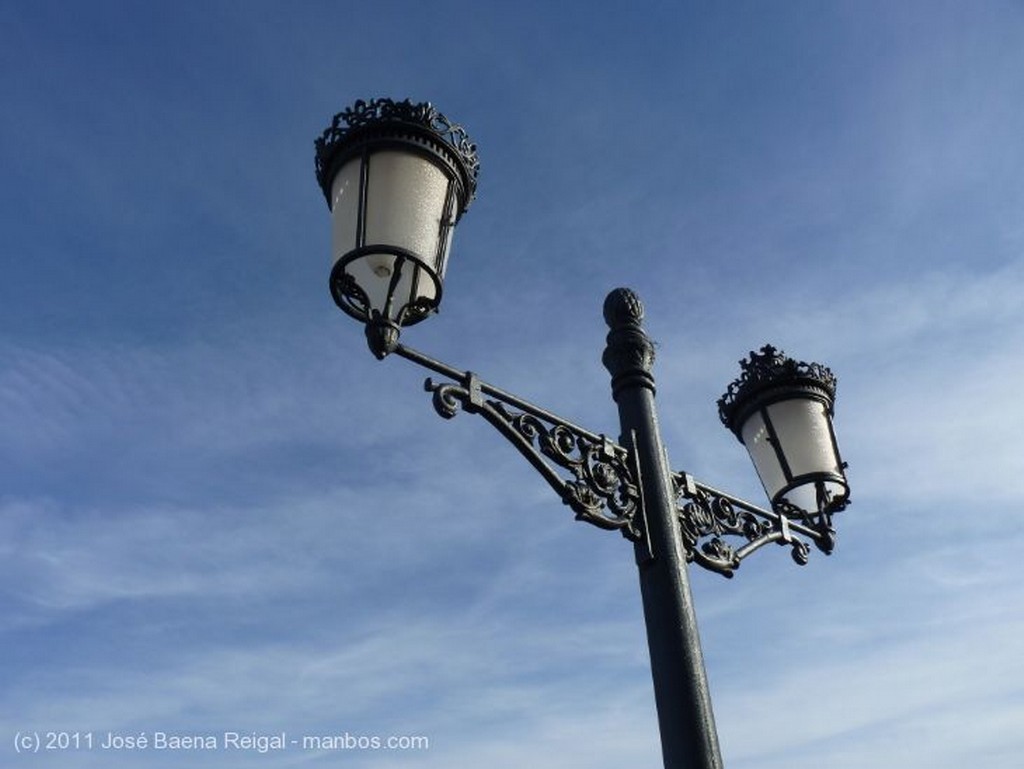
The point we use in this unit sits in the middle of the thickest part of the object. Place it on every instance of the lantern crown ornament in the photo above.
(397, 177)
(781, 410)
(422, 121)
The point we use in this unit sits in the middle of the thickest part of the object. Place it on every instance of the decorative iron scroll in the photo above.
(707, 515)
(602, 488)
(345, 287)
(819, 521)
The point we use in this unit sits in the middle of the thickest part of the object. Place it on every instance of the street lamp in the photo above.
(781, 410)
(397, 177)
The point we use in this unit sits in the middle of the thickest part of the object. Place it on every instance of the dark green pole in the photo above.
(687, 724)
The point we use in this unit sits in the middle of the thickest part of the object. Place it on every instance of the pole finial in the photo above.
(629, 354)
(622, 307)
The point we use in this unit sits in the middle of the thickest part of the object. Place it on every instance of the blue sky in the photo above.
(219, 512)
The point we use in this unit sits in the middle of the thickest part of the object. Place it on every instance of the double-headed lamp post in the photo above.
(397, 177)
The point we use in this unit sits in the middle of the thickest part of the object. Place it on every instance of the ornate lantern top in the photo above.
(781, 410)
(769, 369)
(420, 122)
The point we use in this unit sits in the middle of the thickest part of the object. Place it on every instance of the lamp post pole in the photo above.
(688, 736)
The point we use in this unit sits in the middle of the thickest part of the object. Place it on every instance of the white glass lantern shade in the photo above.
(397, 177)
(393, 214)
(781, 410)
(792, 446)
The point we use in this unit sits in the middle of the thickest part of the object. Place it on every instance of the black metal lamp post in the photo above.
(397, 177)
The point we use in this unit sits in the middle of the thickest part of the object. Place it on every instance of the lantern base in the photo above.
(362, 299)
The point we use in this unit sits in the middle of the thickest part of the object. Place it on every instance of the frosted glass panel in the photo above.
(802, 428)
(805, 497)
(367, 279)
(762, 452)
(405, 203)
(344, 209)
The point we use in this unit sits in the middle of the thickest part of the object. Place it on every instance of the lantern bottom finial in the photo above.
(382, 335)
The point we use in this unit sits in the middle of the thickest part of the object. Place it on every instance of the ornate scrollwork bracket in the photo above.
(706, 515)
(590, 473)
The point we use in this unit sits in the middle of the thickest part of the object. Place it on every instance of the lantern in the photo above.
(781, 411)
(397, 177)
